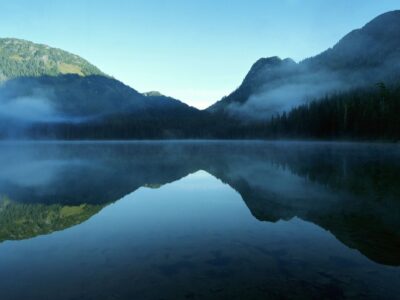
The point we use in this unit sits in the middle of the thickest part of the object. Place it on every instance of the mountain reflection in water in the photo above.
(304, 189)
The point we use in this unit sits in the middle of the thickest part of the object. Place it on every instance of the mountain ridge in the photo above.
(363, 57)
(79, 101)
(45, 85)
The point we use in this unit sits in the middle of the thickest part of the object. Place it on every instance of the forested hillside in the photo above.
(360, 60)
(371, 114)
(350, 91)
(23, 58)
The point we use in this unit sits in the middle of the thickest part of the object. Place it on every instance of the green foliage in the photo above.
(19, 58)
(21, 221)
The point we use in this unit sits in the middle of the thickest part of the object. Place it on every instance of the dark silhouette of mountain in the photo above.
(350, 190)
(88, 96)
(361, 59)
(99, 107)
(158, 101)
(376, 45)
(94, 106)
(74, 95)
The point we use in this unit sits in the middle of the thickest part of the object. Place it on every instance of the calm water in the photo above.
(199, 220)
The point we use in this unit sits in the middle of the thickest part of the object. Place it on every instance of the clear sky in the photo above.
(194, 50)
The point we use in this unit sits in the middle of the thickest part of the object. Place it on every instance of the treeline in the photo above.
(358, 114)
(132, 126)
(363, 114)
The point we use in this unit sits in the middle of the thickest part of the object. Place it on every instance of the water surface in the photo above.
(199, 220)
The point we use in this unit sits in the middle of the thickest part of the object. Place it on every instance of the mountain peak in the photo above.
(360, 59)
(270, 62)
(269, 67)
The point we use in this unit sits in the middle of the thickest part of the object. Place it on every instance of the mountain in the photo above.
(72, 96)
(56, 94)
(157, 100)
(94, 106)
(68, 83)
(339, 187)
(272, 71)
(349, 91)
(375, 45)
(362, 58)
(23, 58)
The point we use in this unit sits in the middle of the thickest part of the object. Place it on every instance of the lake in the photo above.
(199, 220)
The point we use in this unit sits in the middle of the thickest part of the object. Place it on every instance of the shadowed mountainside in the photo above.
(361, 59)
(93, 107)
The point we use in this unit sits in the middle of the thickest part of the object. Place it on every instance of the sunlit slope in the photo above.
(20, 58)
(22, 221)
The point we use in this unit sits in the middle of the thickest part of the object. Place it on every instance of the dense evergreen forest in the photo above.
(23, 58)
(133, 126)
(359, 114)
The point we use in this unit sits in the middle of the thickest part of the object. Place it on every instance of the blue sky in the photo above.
(197, 51)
